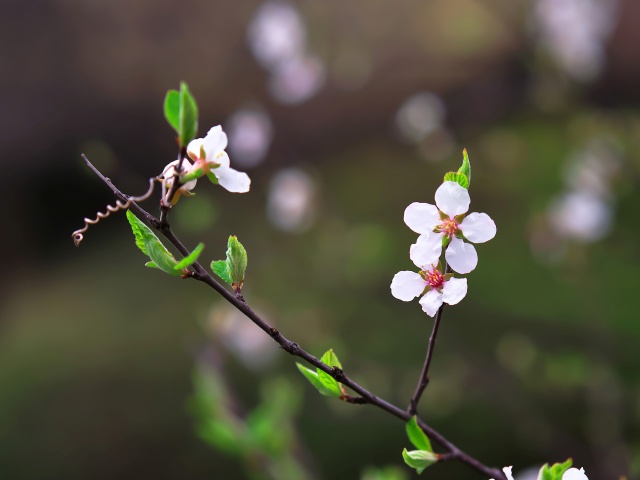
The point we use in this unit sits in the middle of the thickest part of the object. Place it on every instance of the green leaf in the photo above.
(315, 381)
(190, 259)
(555, 472)
(331, 359)
(327, 380)
(188, 117)
(460, 178)
(151, 265)
(151, 246)
(419, 459)
(172, 109)
(236, 262)
(219, 267)
(331, 384)
(417, 436)
(465, 169)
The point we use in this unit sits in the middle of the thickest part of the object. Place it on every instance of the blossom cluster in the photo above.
(447, 226)
(570, 474)
(209, 158)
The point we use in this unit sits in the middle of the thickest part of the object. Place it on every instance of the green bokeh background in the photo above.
(537, 364)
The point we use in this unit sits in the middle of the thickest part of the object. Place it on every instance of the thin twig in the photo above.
(166, 207)
(423, 381)
(453, 452)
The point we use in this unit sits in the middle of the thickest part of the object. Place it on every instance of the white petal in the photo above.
(222, 161)
(507, 472)
(574, 474)
(452, 199)
(421, 217)
(431, 302)
(406, 286)
(193, 149)
(426, 250)
(454, 290)
(215, 142)
(478, 227)
(461, 256)
(232, 180)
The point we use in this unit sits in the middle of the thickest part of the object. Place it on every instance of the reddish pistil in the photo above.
(434, 278)
(449, 227)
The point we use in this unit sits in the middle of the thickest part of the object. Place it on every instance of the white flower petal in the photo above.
(574, 474)
(461, 256)
(215, 142)
(507, 472)
(222, 161)
(452, 199)
(431, 302)
(478, 227)
(454, 290)
(406, 285)
(193, 149)
(421, 217)
(426, 250)
(232, 180)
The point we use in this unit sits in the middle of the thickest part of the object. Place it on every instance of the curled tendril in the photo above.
(120, 205)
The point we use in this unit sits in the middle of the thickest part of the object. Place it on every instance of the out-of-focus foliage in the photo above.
(344, 127)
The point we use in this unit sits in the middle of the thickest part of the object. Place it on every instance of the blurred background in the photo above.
(342, 113)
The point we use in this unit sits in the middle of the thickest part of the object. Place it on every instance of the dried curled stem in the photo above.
(120, 205)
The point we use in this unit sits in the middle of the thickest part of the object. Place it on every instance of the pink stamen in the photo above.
(449, 227)
(434, 278)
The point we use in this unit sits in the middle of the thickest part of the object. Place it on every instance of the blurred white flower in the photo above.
(420, 115)
(581, 215)
(297, 79)
(210, 159)
(436, 287)
(292, 200)
(447, 219)
(574, 32)
(276, 34)
(250, 134)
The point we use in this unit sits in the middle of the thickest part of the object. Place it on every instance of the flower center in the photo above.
(434, 278)
(449, 227)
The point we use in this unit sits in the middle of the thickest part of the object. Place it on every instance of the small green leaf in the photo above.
(327, 380)
(211, 176)
(331, 359)
(460, 178)
(219, 267)
(417, 436)
(188, 115)
(190, 259)
(331, 384)
(151, 246)
(465, 169)
(315, 381)
(555, 472)
(419, 459)
(172, 109)
(236, 262)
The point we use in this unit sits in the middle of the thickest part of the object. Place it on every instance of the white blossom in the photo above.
(167, 177)
(571, 474)
(448, 219)
(434, 286)
(210, 158)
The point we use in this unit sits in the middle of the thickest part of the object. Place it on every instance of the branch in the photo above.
(365, 396)
(424, 376)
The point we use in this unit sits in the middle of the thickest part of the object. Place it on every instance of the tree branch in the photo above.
(365, 396)
(423, 381)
